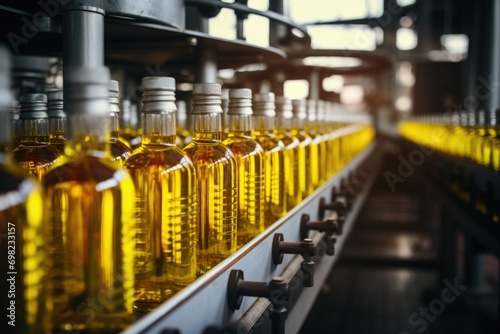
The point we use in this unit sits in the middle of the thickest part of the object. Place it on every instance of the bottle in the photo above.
(298, 125)
(217, 188)
(119, 150)
(90, 202)
(250, 159)
(165, 182)
(23, 237)
(481, 137)
(264, 114)
(35, 155)
(128, 125)
(492, 147)
(284, 116)
(183, 134)
(57, 119)
(325, 162)
(225, 108)
(316, 148)
(16, 126)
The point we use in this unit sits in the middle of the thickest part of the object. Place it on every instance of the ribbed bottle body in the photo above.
(165, 215)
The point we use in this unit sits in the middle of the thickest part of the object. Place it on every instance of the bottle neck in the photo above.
(207, 127)
(114, 118)
(158, 127)
(298, 123)
(240, 125)
(264, 125)
(34, 130)
(283, 124)
(57, 126)
(89, 132)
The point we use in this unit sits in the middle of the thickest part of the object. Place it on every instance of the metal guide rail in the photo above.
(218, 298)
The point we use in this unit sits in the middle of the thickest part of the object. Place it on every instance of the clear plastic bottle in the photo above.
(216, 170)
(35, 155)
(90, 201)
(316, 147)
(23, 235)
(165, 181)
(183, 134)
(250, 158)
(264, 116)
(298, 131)
(57, 119)
(120, 149)
(128, 125)
(283, 132)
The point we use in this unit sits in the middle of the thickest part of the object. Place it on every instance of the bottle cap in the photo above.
(33, 106)
(55, 104)
(284, 107)
(114, 101)
(206, 99)
(264, 105)
(240, 102)
(158, 94)
(86, 90)
(299, 108)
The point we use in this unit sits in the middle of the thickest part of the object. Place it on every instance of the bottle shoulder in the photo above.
(86, 167)
(209, 151)
(244, 146)
(166, 156)
(42, 153)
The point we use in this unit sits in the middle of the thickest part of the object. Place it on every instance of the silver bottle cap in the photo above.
(86, 90)
(158, 94)
(206, 99)
(299, 108)
(114, 101)
(311, 108)
(284, 107)
(240, 102)
(33, 106)
(55, 104)
(264, 105)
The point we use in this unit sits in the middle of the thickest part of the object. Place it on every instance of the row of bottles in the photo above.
(473, 136)
(120, 226)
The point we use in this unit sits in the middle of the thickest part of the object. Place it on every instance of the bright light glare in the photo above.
(296, 89)
(403, 3)
(405, 74)
(327, 10)
(352, 37)
(226, 73)
(403, 103)
(222, 25)
(457, 43)
(257, 30)
(406, 39)
(334, 83)
(332, 61)
(352, 94)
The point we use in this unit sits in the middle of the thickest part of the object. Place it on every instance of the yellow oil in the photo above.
(217, 192)
(250, 158)
(274, 168)
(23, 235)
(120, 148)
(57, 135)
(304, 162)
(35, 155)
(495, 152)
(165, 215)
(90, 202)
(316, 160)
(183, 138)
(291, 168)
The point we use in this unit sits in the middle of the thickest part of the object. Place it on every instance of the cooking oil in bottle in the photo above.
(481, 137)
(284, 116)
(165, 212)
(90, 202)
(250, 158)
(264, 113)
(321, 132)
(216, 171)
(225, 108)
(120, 149)
(57, 119)
(298, 131)
(128, 125)
(183, 134)
(494, 147)
(23, 237)
(35, 155)
(316, 147)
